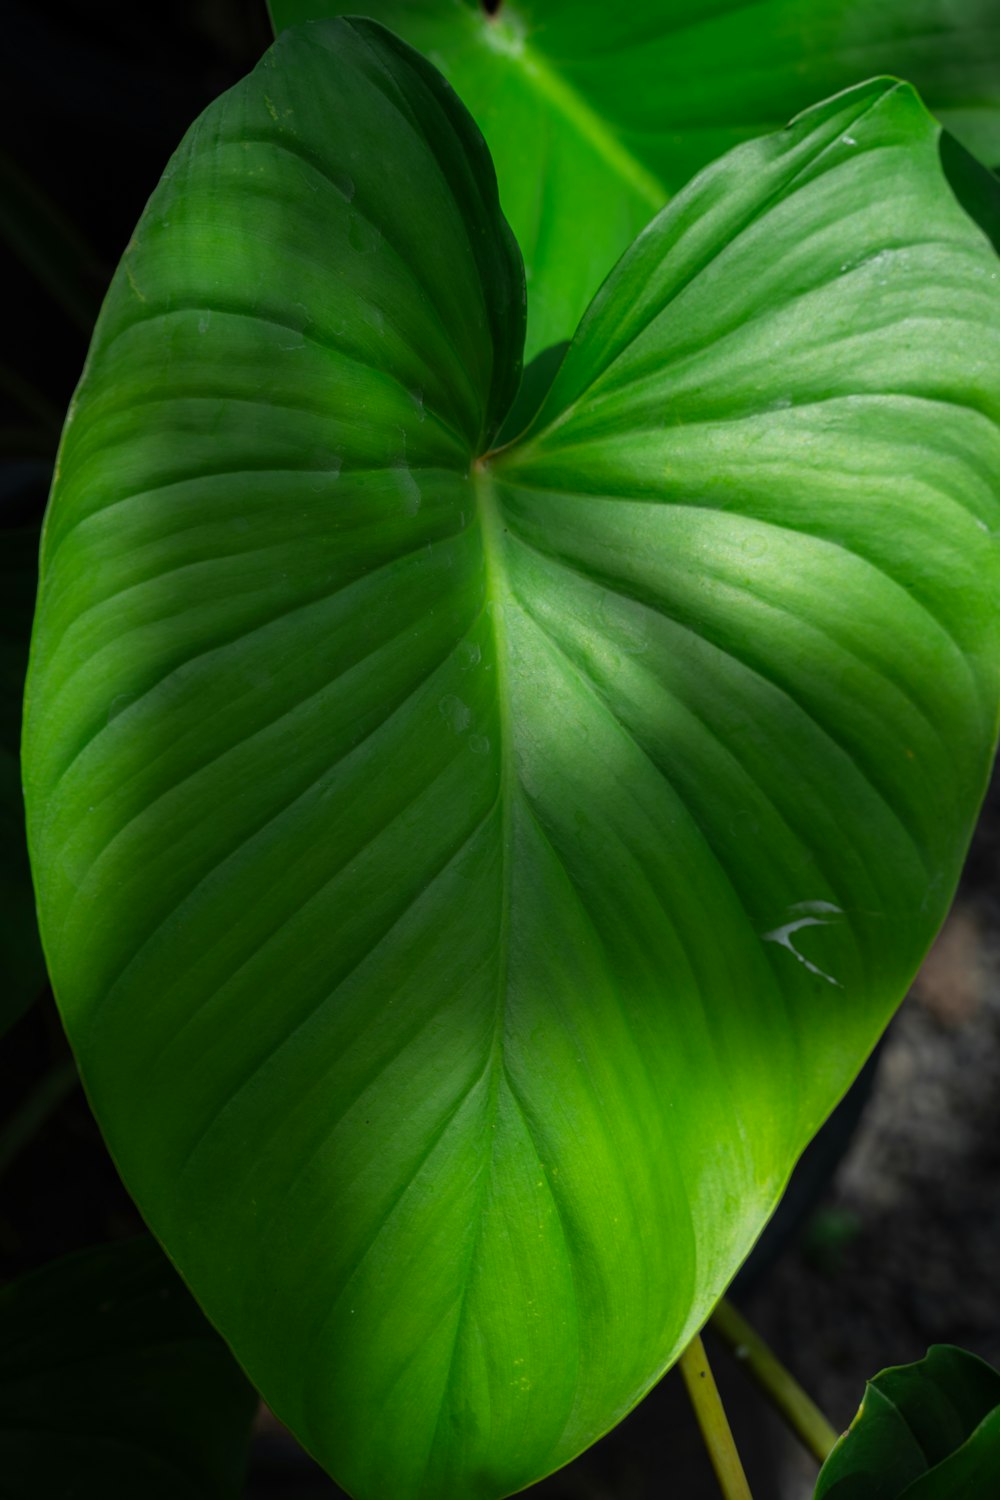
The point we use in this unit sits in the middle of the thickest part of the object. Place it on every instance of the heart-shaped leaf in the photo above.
(595, 113)
(926, 1431)
(112, 1383)
(469, 877)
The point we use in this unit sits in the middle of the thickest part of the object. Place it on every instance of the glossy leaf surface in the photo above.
(596, 113)
(926, 1431)
(469, 877)
(112, 1383)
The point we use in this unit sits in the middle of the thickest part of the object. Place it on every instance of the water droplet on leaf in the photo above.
(456, 714)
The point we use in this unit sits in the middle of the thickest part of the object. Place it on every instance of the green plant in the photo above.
(926, 1431)
(449, 846)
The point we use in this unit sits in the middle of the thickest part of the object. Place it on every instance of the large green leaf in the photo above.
(926, 1431)
(595, 113)
(113, 1384)
(470, 877)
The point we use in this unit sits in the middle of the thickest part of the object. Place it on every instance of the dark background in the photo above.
(891, 1239)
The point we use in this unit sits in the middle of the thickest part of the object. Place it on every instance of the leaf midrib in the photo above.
(497, 600)
(497, 597)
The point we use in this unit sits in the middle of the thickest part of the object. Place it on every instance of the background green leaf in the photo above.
(112, 1383)
(926, 1431)
(596, 113)
(468, 881)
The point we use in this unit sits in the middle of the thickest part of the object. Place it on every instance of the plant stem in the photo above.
(43, 1101)
(713, 1422)
(799, 1411)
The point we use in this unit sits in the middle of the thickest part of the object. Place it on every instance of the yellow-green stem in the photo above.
(713, 1422)
(802, 1414)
